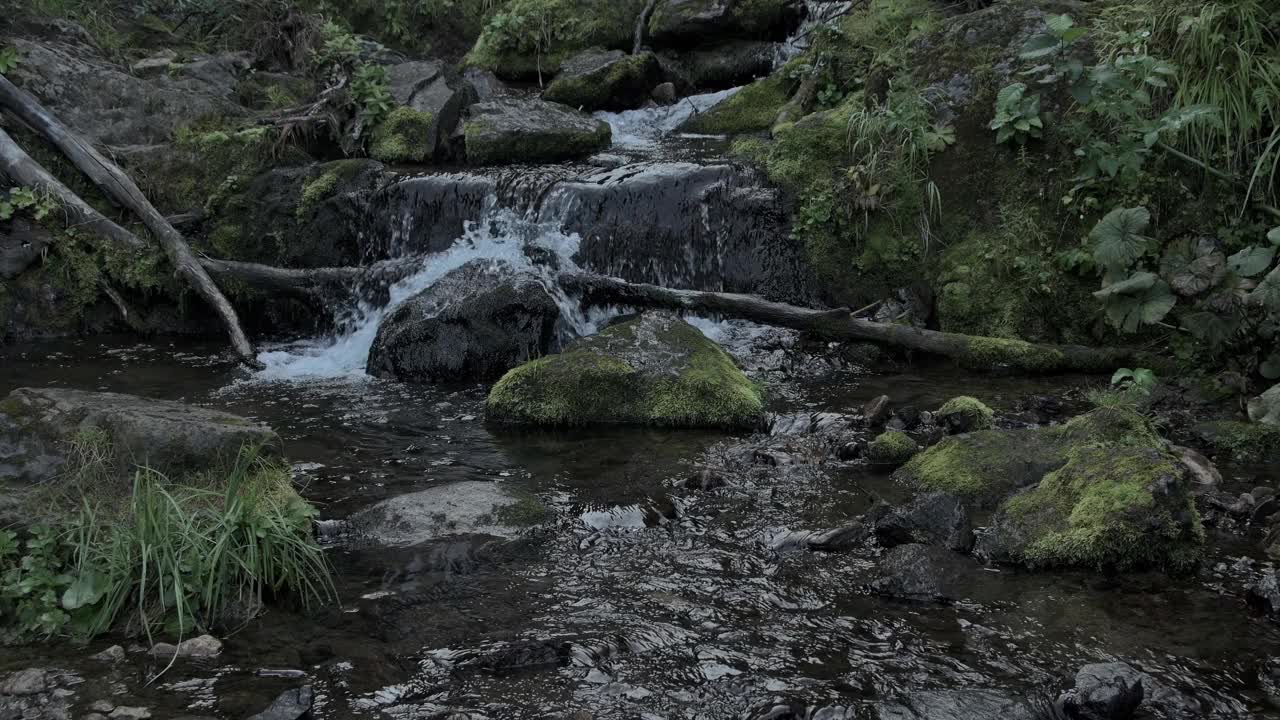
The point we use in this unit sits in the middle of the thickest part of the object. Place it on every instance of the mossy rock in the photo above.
(892, 448)
(752, 109)
(599, 79)
(508, 130)
(692, 22)
(402, 137)
(655, 370)
(532, 39)
(966, 414)
(1114, 507)
(1243, 441)
(984, 467)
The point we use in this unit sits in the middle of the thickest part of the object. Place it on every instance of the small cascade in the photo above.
(816, 14)
(643, 129)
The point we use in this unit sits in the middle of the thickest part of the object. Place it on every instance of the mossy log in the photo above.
(974, 352)
(117, 185)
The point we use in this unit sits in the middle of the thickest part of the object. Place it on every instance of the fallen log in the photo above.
(978, 353)
(317, 285)
(117, 185)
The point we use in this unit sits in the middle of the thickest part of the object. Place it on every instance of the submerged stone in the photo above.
(508, 130)
(477, 322)
(921, 573)
(654, 370)
(1106, 691)
(461, 508)
(599, 79)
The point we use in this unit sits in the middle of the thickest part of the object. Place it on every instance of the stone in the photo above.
(102, 706)
(1105, 691)
(976, 704)
(130, 713)
(475, 323)
(688, 23)
(289, 705)
(1265, 408)
(932, 519)
(115, 653)
(599, 79)
(487, 86)
(423, 86)
(1264, 594)
(920, 573)
(965, 414)
(892, 449)
(204, 646)
(165, 435)
(461, 508)
(664, 93)
(653, 370)
(723, 66)
(876, 411)
(31, 681)
(509, 130)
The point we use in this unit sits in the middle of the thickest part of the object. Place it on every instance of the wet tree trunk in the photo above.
(117, 185)
(974, 352)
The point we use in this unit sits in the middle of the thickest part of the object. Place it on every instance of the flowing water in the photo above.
(639, 598)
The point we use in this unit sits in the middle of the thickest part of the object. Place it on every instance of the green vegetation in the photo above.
(892, 448)
(619, 84)
(753, 108)
(402, 137)
(982, 467)
(529, 39)
(158, 555)
(966, 414)
(1242, 441)
(593, 381)
(1017, 115)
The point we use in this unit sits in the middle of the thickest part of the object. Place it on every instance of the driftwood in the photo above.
(974, 352)
(117, 185)
(316, 285)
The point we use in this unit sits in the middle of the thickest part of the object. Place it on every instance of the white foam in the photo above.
(643, 129)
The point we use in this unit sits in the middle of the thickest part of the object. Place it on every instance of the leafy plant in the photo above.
(32, 580)
(8, 58)
(1017, 115)
(1139, 381)
(19, 199)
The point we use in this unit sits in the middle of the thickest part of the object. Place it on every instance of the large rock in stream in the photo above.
(599, 79)
(1101, 491)
(461, 508)
(475, 323)
(694, 22)
(511, 130)
(654, 370)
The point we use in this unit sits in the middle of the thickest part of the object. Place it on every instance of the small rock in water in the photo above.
(664, 93)
(290, 705)
(705, 479)
(25, 682)
(920, 573)
(876, 411)
(115, 653)
(102, 706)
(130, 713)
(1264, 595)
(205, 646)
(1105, 691)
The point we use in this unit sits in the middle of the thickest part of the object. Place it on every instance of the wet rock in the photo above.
(508, 130)
(1203, 475)
(31, 681)
(965, 414)
(130, 713)
(290, 705)
(705, 480)
(806, 423)
(932, 519)
(115, 653)
(486, 85)
(1265, 408)
(664, 93)
(1105, 691)
(653, 370)
(957, 705)
(921, 573)
(20, 244)
(694, 22)
(727, 65)
(423, 86)
(892, 449)
(850, 537)
(599, 79)
(1264, 594)
(204, 646)
(37, 423)
(475, 323)
(876, 411)
(461, 508)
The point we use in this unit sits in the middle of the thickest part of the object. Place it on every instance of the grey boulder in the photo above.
(510, 130)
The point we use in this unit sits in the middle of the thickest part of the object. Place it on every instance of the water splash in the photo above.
(643, 129)
(501, 236)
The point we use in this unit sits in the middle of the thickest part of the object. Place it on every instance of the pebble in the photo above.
(25, 682)
(102, 706)
(204, 646)
(130, 713)
(115, 653)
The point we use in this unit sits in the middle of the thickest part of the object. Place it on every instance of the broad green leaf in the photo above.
(1141, 300)
(1135, 285)
(1039, 46)
(1209, 327)
(1118, 237)
(1059, 24)
(1192, 266)
(1251, 261)
(87, 589)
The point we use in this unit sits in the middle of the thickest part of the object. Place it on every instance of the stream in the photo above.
(639, 597)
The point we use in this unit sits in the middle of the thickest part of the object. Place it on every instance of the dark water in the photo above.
(640, 599)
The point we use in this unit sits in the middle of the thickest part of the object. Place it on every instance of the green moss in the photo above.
(751, 109)
(1099, 511)
(892, 448)
(588, 384)
(967, 414)
(985, 353)
(1246, 442)
(402, 137)
(316, 191)
(983, 467)
(486, 147)
(526, 511)
(610, 87)
(530, 39)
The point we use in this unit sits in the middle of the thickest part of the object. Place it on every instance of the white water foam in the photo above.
(643, 129)
(500, 236)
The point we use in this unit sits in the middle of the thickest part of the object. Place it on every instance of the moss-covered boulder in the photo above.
(1265, 408)
(1114, 507)
(1102, 490)
(403, 137)
(436, 99)
(654, 370)
(509, 130)
(892, 448)
(753, 108)
(1241, 441)
(531, 39)
(730, 64)
(694, 22)
(599, 79)
(966, 414)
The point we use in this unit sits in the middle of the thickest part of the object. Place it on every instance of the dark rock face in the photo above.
(20, 244)
(508, 130)
(691, 22)
(424, 86)
(957, 705)
(731, 64)
(599, 79)
(1264, 594)
(290, 705)
(1105, 691)
(920, 573)
(933, 519)
(425, 214)
(477, 322)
